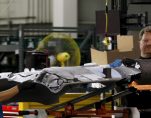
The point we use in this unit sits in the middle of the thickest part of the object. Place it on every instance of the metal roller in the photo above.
(140, 1)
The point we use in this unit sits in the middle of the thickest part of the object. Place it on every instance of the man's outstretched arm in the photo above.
(10, 93)
(7, 94)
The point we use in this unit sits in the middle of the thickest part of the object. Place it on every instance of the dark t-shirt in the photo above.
(141, 100)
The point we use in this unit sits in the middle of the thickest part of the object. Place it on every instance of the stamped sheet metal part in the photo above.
(51, 83)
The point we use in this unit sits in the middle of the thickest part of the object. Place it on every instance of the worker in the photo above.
(142, 100)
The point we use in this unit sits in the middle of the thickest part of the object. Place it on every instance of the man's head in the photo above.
(145, 42)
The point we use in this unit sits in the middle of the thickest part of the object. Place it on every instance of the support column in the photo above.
(65, 13)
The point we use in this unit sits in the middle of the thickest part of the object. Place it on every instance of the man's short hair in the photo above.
(145, 29)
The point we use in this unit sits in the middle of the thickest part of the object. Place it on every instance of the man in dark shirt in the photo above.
(142, 100)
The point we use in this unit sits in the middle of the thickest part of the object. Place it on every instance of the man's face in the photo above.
(145, 43)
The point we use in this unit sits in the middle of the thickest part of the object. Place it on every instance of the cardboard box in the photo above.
(106, 57)
(125, 43)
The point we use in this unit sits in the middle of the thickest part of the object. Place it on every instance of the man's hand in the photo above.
(140, 87)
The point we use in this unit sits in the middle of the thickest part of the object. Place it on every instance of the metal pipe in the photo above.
(38, 11)
(28, 10)
(83, 97)
(45, 9)
(49, 2)
(33, 10)
(42, 15)
(21, 49)
(86, 40)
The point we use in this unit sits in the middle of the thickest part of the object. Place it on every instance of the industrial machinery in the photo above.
(56, 49)
(62, 48)
(115, 20)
